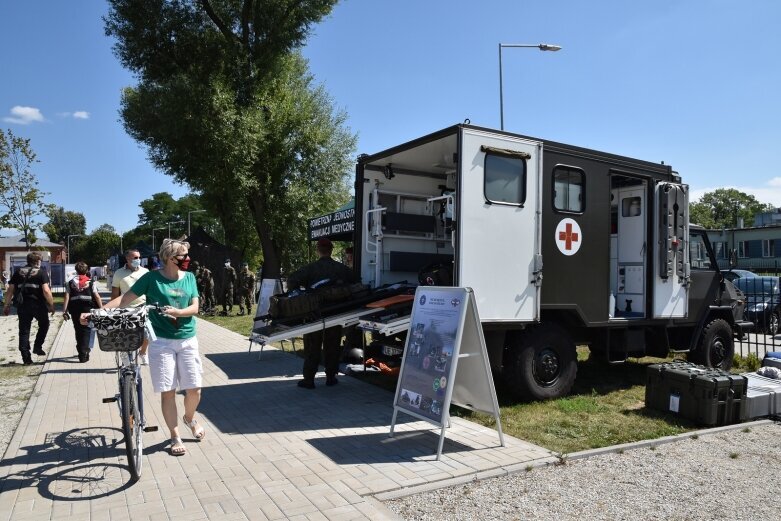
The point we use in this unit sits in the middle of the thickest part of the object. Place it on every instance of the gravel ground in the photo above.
(17, 381)
(725, 475)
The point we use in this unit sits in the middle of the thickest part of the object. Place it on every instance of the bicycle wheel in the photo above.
(131, 426)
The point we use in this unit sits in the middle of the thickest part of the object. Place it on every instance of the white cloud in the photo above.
(81, 114)
(24, 115)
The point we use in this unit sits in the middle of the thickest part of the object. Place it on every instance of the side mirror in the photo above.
(733, 258)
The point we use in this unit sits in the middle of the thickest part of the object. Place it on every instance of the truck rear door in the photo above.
(671, 256)
(498, 224)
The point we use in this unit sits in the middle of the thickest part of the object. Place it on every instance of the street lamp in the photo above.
(188, 219)
(68, 260)
(169, 226)
(153, 237)
(540, 46)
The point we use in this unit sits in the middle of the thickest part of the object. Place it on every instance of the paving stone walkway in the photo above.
(272, 450)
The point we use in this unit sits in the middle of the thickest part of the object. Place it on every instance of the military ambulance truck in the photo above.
(563, 246)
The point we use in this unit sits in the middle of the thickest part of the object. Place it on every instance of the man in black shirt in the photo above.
(327, 341)
(32, 284)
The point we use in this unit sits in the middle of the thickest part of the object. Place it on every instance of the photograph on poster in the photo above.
(410, 398)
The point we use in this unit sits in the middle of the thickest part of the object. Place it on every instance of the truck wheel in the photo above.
(716, 347)
(541, 364)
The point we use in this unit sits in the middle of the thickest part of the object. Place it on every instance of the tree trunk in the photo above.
(271, 261)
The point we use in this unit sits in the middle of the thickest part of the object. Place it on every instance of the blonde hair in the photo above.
(172, 248)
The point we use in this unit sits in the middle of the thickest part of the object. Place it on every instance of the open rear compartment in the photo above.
(406, 204)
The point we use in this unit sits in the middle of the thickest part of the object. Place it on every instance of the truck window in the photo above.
(505, 179)
(698, 253)
(568, 185)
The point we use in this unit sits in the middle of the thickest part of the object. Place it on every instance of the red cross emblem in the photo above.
(568, 236)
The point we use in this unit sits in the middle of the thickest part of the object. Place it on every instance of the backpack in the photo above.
(18, 298)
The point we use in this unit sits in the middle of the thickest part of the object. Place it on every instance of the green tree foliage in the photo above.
(162, 208)
(721, 208)
(95, 248)
(63, 223)
(227, 106)
(20, 198)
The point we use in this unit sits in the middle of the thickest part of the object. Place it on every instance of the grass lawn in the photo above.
(606, 406)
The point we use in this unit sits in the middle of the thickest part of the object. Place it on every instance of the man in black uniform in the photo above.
(32, 284)
(328, 341)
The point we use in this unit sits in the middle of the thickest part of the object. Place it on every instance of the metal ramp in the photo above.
(385, 322)
(278, 331)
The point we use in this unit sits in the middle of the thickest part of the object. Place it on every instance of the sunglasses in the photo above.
(182, 256)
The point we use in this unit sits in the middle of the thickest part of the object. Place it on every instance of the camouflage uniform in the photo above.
(209, 302)
(326, 341)
(205, 285)
(246, 289)
(229, 281)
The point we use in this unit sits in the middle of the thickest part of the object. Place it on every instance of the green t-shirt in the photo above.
(165, 292)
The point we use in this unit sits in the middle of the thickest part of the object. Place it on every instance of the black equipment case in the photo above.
(701, 394)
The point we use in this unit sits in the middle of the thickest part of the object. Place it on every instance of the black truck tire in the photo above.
(541, 364)
(716, 347)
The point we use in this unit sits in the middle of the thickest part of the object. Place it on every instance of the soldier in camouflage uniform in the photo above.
(205, 285)
(209, 302)
(246, 288)
(326, 342)
(228, 282)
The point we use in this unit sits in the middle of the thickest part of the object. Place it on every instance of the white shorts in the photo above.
(174, 363)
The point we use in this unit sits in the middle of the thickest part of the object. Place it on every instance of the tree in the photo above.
(20, 197)
(722, 207)
(63, 223)
(243, 123)
(96, 247)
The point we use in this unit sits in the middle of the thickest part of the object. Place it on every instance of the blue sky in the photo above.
(692, 83)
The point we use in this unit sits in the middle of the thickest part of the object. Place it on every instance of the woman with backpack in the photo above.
(79, 299)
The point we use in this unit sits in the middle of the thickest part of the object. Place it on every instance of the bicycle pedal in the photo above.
(110, 400)
(152, 428)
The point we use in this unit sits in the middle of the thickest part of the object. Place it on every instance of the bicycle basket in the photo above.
(119, 329)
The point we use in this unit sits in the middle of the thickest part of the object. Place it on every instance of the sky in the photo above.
(693, 83)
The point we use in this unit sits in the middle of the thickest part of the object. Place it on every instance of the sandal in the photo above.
(177, 447)
(198, 432)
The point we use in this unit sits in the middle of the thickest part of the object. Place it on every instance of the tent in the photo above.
(212, 254)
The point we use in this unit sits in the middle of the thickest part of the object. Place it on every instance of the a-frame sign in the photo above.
(445, 361)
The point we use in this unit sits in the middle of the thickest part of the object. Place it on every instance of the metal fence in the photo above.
(763, 308)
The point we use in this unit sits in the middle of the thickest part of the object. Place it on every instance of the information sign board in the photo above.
(445, 360)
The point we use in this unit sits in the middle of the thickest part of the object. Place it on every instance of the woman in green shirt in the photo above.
(174, 361)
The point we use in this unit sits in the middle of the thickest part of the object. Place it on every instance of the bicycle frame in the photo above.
(127, 364)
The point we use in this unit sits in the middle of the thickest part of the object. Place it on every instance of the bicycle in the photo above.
(121, 330)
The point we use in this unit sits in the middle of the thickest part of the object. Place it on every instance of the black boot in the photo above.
(26, 358)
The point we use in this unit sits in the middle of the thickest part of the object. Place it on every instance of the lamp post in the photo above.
(169, 226)
(68, 256)
(540, 46)
(188, 219)
(153, 237)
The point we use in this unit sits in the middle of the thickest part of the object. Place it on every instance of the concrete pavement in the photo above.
(272, 450)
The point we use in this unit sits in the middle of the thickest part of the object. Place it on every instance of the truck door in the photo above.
(498, 224)
(671, 258)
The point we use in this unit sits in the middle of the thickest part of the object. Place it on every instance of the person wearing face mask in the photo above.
(228, 282)
(32, 283)
(123, 280)
(174, 362)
